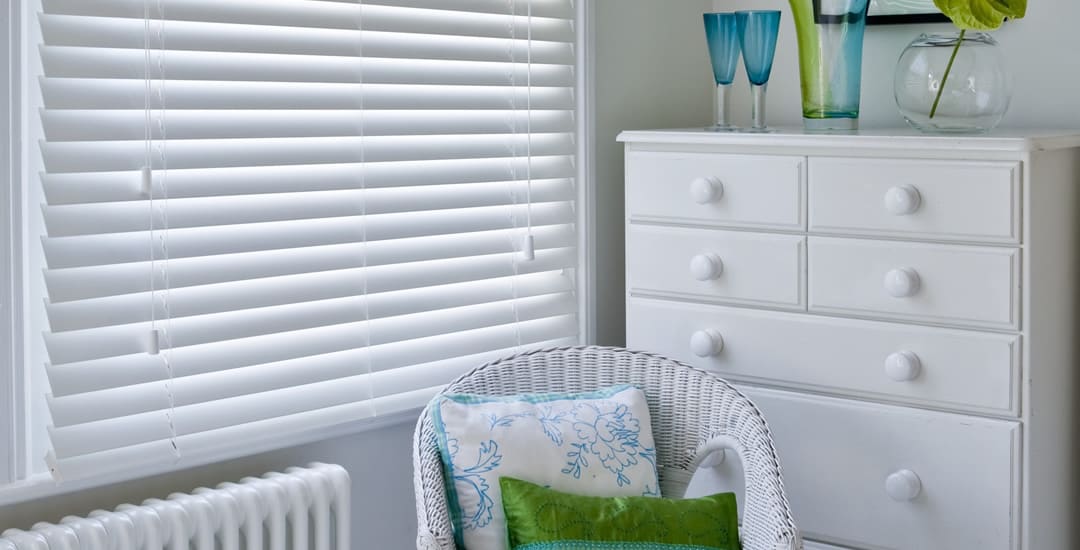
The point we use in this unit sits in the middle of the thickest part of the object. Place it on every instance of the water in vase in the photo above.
(830, 34)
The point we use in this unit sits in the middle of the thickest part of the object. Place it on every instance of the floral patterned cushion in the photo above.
(597, 444)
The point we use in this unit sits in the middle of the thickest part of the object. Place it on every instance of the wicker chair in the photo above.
(693, 413)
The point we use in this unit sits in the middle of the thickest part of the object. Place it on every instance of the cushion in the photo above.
(598, 443)
(538, 518)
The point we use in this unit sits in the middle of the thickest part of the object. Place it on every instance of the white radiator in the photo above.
(301, 509)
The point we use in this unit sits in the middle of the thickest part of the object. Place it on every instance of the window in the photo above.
(257, 219)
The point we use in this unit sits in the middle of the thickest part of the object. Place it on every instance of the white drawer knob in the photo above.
(902, 200)
(706, 267)
(706, 343)
(706, 190)
(903, 485)
(903, 366)
(902, 282)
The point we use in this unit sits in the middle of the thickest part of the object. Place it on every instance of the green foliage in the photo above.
(981, 15)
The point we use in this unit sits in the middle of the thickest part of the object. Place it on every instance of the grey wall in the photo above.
(379, 462)
(651, 72)
(650, 59)
(1042, 53)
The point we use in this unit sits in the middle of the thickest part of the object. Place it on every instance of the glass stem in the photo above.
(758, 112)
(722, 102)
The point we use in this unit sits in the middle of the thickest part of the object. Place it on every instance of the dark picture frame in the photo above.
(895, 12)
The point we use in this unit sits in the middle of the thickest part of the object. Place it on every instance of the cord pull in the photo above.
(146, 185)
(528, 248)
(153, 341)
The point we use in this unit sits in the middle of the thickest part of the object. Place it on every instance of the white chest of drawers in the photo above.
(904, 309)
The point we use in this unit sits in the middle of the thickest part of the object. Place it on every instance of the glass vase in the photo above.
(830, 35)
(975, 94)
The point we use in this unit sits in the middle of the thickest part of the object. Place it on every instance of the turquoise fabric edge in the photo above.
(448, 472)
(612, 545)
(473, 399)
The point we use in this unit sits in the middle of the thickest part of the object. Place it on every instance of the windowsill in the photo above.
(42, 485)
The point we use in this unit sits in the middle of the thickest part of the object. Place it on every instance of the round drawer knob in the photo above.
(706, 267)
(903, 366)
(903, 485)
(706, 190)
(902, 200)
(902, 282)
(706, 343)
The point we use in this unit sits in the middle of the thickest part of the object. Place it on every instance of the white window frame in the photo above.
(16, 485)
(586, 176)
(11, 384)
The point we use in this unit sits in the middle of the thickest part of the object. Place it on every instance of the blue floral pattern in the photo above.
(487, 460)
(611, 433)
(598, 443)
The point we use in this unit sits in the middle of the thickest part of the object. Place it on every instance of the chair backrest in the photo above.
(693, 413)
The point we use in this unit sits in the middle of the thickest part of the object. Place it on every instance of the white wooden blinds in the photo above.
(268, 216)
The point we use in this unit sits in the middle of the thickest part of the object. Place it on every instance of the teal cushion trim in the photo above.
(448, 474)
(594, 545)
(470, 399)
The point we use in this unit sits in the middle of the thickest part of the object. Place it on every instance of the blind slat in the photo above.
(113, 93)
(121, 93)
(88, 156)
(102, 218)
(79, 62)
(115, 124)
(87, 283)
(100, 32)
(65, 252)
(467, 17)
(93, 187)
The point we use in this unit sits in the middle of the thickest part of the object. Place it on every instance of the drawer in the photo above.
(722, 266)
(713, 189)
(949, 284)
(945, 200)
(942, 368)
(838, 457)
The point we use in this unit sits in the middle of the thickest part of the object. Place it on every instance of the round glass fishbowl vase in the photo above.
(977, 88)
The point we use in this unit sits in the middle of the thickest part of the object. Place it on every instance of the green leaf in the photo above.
(981, 15)
(1013, 9)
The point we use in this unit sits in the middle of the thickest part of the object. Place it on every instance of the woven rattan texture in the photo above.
(692, 410)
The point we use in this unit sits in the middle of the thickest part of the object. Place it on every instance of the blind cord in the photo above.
(528, 247)
(366, 338)
(513, 174)
(158, 337)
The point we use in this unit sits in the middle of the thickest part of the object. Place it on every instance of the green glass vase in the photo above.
(830, 35)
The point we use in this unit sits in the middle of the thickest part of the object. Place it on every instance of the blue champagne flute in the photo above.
(757, 35)
(722, 35)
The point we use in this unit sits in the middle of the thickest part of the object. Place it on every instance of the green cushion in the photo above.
(538, 518)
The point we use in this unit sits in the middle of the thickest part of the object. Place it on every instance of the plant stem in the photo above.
(948, 69)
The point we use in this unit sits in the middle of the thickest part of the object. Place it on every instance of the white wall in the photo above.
(651, 72)
(1042, 53)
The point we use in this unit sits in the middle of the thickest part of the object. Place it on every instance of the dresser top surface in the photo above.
(1007, 139)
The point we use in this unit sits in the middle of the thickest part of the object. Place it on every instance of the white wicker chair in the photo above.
(693, 413)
